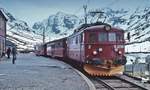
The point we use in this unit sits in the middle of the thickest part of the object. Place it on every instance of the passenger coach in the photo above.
(57, 48)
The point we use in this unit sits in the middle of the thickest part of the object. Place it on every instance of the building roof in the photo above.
(3, 14)
(9, 43)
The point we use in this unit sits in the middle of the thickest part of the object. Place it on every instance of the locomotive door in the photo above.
(53, 50)
(81, 40)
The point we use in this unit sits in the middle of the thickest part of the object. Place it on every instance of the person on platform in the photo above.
(8, 52)
(14, 52)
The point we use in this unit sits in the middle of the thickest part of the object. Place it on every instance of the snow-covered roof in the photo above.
(3, 14)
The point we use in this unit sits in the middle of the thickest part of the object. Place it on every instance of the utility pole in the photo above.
(85, 12)
(132, 67)
(147, 60)
(43, 35)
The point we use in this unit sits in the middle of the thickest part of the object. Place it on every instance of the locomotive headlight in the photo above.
(100, 49)
(94, 52)
(89, 46)
(116, 49)
(120, 52)
(107, 27)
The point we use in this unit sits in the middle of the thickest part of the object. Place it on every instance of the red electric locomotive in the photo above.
(99, 48)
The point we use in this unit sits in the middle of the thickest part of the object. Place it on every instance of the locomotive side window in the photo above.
(119, 37)
(92, 37)
(112, 36)
(81, 38)
(77, 40)
(102, 36)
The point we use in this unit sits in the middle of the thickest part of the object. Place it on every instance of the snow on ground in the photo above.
(137, 57)
(38, 73)
(138, 47)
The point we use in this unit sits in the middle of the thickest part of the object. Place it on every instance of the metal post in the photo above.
(147, 60)
(85, 12)
(132, 67)
(148, 65)
(125, 69)
(43, 35)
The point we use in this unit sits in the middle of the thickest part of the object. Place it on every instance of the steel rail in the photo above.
(108, 85)
(132, 83)
(105, 84)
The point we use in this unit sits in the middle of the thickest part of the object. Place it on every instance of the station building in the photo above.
(3, 21)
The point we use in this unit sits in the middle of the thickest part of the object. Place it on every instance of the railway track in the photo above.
(122, 82)
(115, 83)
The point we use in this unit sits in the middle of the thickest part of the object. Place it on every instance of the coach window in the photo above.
(102, 36)
(81, 38)
(53, 46)
(92, 37)
(112, 36)
(72, 40)
(77, 40)
(61, 44)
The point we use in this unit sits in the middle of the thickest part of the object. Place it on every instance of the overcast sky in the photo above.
(36, 10)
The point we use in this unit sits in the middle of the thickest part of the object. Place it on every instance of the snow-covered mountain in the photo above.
(137, 23)
(20, 33)
(58, 25)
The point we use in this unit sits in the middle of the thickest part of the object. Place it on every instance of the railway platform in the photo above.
(32, 72)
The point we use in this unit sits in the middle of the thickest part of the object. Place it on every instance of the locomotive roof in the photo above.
(96, 25)
(87, 27)
(84, 26)
(3, 14)
(102, 26)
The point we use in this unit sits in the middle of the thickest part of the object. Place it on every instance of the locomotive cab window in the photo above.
(102, 36)
(112, 36)
(92, 37)
(119, 37)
